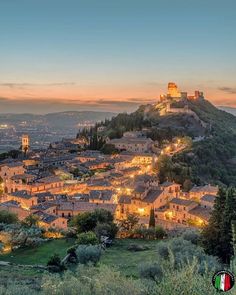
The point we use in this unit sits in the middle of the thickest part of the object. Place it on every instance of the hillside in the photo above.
(209, 160)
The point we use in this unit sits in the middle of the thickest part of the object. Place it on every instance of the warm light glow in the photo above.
(141, 211)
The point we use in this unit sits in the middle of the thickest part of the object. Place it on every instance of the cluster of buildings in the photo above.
(56, 185)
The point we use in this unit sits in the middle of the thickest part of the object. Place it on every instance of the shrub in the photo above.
(149, 233)
(182, 252)
(54, 260)
(88, 254)
(87, 238)
(137, 247)
(8, 217)
(191, 235)
(87, 221)
(151, 271)
(106, 229)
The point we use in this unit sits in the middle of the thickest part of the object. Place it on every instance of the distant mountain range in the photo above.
(228, 110)
(60, 120)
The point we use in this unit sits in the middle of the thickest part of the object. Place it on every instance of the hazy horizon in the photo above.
(105, 55)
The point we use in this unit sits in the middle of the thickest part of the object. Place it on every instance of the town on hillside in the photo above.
(68, 178)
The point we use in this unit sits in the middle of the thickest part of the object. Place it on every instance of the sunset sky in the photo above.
(114, 55)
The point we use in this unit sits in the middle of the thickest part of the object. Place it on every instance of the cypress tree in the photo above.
(152, 221)
(217, 235)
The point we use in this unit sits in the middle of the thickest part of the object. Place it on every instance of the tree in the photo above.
(106, 229)
(31, 220)
(130, 222)
(152, 221)
(88, 254)
(87, 221)
(216, 237)
(8, 217)
(87, 238)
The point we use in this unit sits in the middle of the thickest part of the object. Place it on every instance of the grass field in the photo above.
(128, 261)
(117, 256)
(40, 254)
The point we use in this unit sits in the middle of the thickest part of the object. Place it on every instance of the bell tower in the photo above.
(25, 143)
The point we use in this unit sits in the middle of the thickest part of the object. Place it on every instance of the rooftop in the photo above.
(152, 195)
(201, 212)
(208, 198)
(182, 202)
(85, 206)
(21, 194)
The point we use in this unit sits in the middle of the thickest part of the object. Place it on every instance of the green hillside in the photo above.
(212, 159)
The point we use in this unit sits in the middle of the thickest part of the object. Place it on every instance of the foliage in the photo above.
(92, 281)
(54, 263)
(151, 233)
(87, 221)
(106, 229)
(87, 238)
(217, 235)
(109, 149)
(169, 170)
(31, 220)
(137, 247)
(191, 235)
(88, 254)
(151, 271)
(130, 222)
(181, 252)
(8, 217)
(54, 260)
(152, 218)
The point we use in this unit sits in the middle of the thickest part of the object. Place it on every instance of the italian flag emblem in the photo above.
(223, 281)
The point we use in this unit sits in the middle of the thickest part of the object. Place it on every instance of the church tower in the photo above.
(25, 143)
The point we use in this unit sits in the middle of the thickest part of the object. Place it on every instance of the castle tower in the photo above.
(173, 91)
(25, 143)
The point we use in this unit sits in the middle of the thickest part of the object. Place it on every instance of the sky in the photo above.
(112, 55)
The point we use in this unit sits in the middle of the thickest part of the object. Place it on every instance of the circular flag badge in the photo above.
(223, 280)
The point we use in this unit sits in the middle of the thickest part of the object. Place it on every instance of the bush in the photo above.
(137, 247)
(182, 252)
(8, 217)
(92, 281)
(192, 236)
(88, 254)
(149, 233)
(106, 229)
(151, 271)
(87, 221)
(54, 260)
(87, 238)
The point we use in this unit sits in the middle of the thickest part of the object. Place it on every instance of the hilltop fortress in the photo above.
(175, 94)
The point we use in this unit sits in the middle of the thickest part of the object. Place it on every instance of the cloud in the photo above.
(45, 105)
(23, 85)
(229, 90)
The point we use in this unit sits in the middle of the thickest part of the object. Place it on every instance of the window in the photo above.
(62, 214)
(184, 208)
(53, 224)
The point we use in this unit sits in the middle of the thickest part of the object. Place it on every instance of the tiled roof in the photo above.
(21, 194)
(152, 195)
(201, 212)
(124, 200)
(47, 218)
(182, 202)
(208, 198)
(85, 206)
